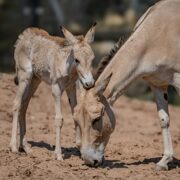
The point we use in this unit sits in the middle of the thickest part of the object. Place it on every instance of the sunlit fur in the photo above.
(57, 61)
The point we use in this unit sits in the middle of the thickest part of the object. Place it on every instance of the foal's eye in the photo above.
(96, 121)
(77, 61)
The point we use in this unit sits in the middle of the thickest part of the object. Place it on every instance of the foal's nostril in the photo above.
(87, 85)
(95, 162)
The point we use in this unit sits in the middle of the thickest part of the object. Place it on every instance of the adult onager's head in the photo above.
(82, 54)
(96, 122)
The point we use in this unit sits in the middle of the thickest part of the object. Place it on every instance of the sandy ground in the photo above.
(134, 147)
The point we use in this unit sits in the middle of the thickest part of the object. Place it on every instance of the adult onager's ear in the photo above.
(69, 36)
(101, 86)
(89, 37)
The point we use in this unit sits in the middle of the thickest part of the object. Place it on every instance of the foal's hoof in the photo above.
(78, 143)
(161, 167)
(59, 157)
(13, 149)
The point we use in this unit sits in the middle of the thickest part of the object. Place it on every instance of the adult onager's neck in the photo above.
(148, 53)
(123, 67)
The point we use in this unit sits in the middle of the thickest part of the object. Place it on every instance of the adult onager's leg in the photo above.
(71, 93)
(58, 119)
(162, 107)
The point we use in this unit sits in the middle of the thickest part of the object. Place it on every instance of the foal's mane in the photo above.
(44, 34)
(107, 58)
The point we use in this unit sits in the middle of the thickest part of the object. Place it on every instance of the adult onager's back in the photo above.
(58, 62)
(152, 52)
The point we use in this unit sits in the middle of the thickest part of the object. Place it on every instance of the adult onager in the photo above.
(58, 62)
(152, 52)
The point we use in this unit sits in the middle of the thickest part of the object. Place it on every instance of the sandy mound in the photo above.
(134, 147)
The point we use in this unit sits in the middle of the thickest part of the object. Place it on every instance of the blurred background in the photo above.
(115, 19)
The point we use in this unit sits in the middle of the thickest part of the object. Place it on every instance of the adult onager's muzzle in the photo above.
(92, 157)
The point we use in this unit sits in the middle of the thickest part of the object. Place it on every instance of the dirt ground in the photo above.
(134, 147)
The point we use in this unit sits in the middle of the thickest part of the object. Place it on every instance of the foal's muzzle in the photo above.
(88, 81)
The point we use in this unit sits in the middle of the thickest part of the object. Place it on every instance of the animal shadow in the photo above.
(41, 144)
(67, 152)
(70, 151)
(172, 165)
(113, 164)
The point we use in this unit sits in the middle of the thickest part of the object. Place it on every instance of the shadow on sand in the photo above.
(113, 164)
(67, 152)
(73, 151)
(172, 165)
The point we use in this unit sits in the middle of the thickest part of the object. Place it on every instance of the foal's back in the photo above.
(35, 50)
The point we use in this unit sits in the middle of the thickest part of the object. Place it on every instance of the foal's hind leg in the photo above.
(24, 79)
(32, 86)
(162, 107)
(26, 88)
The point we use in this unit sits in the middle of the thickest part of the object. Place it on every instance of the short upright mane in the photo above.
(40, 32)
(107, 58)
(60, 41)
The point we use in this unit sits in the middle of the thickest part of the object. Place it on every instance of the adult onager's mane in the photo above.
(107, 58)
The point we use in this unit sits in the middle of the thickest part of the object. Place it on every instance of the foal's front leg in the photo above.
(58, 119)
(162, 107)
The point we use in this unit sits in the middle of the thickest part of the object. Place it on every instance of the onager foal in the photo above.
(58, 62)
(152, 52)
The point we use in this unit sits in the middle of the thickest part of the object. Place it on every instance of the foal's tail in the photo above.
(16, 80)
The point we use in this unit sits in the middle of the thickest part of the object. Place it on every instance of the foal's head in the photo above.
(96, 122)
(82, 54)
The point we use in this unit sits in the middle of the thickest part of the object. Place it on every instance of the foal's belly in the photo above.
(63, 81)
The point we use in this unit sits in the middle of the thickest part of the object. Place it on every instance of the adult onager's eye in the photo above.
(77, 61)
(96, 121)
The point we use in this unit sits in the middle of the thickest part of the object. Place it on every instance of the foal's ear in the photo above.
(69, 36)
(101, 86)
(89, 37)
